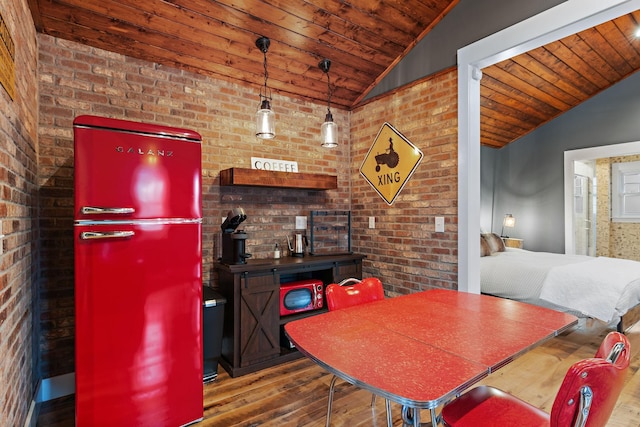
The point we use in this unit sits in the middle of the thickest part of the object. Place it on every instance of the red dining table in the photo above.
(421, 350)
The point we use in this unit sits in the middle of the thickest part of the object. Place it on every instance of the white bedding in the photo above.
(602, 288)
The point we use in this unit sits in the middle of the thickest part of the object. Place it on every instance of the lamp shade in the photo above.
(265, 118)
(265, 121)
(329, 132)
(509, 221)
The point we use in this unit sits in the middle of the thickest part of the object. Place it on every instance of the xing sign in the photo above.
(390, 162)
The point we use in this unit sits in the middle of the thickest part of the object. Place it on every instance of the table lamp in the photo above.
(508, 221)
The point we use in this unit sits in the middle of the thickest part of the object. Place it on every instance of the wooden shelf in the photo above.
(263, 178)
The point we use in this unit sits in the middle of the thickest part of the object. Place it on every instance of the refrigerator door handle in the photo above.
(92, 235)
(91, 210)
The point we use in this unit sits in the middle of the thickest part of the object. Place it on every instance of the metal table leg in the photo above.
(411, 417)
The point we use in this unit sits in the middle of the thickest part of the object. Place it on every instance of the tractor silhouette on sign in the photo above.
(389, 157)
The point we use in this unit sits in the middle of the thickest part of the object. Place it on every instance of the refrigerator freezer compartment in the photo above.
(135, 175)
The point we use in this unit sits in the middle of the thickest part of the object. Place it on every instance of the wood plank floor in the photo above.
(295, 394)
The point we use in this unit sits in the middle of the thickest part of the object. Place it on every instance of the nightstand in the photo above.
(513, 243)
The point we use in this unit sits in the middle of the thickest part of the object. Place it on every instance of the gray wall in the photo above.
(488, 171)
(529, 173)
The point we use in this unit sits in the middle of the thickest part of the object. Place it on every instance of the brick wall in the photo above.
(403, 249)
(77, 79)
(18, 204)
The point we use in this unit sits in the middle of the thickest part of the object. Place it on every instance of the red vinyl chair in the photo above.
(342, 295)
(586, 397)
(363, 291)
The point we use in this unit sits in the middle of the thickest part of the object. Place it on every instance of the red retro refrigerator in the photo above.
(138, 268)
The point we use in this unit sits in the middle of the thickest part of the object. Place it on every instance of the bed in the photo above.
(603, 288)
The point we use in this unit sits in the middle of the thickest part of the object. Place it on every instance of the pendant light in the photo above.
(328, 130)
(265, 117)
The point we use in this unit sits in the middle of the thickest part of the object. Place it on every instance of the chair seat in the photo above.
(488, 406)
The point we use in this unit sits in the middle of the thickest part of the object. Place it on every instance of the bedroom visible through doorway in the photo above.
(582, 163)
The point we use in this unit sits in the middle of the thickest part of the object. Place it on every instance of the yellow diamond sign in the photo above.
(390, 162)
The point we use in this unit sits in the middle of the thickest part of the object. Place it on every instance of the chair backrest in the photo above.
(612, 346)
(591, 386)
(362, 292)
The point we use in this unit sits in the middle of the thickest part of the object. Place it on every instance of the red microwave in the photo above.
(304, 295)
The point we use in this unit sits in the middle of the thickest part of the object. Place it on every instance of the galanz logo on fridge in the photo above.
(143, 152)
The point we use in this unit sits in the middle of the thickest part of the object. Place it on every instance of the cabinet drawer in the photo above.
(256, 282)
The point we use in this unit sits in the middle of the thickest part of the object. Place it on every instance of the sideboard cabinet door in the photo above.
(260, 316)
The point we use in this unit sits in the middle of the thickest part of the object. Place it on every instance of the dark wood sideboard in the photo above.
(252, 333)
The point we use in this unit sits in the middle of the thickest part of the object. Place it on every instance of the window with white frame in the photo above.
(625, 192)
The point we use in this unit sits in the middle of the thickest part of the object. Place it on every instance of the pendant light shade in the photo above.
(329, 132)
(265, 121)
(329, 129)
(265, 117)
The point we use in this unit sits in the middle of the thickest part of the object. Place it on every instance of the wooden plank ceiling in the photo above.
(364, 39)
(522, 93)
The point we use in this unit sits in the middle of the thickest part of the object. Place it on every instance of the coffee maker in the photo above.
(234, 241)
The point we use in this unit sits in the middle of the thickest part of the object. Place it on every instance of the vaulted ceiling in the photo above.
(364, 39)
(526, 91)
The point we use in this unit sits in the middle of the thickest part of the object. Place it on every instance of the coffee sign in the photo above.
(273, 165)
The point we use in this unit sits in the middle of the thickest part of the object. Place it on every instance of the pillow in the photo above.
(485, 250)
(494, 241)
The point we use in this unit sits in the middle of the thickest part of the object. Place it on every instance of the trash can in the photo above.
(212, 319)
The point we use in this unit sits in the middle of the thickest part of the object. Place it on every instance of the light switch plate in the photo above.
(439, 224)
(301, 222)
(372, 222)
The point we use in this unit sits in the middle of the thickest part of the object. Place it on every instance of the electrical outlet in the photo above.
(372, 222)
(439, 224)
(301, 222)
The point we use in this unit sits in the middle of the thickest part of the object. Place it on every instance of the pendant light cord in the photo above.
(266, 77)
(328, 93)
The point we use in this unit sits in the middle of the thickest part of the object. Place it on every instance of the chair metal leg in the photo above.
(330, 402)
(387, 408)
